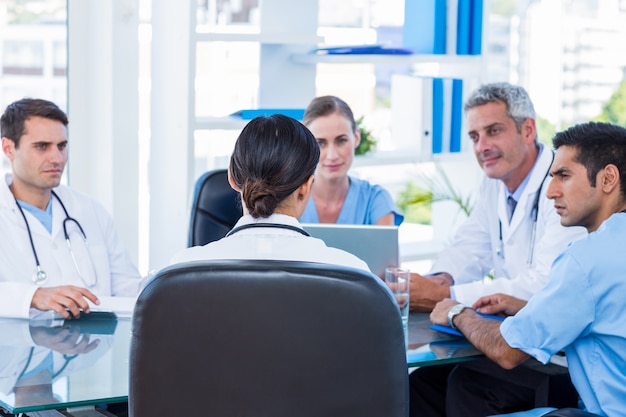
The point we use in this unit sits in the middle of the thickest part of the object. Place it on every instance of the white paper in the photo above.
(122, 306)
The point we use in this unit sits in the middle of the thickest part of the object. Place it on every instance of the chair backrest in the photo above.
(267, 338)
(215, 209)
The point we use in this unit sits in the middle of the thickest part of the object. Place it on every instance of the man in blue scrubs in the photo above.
(581, 308)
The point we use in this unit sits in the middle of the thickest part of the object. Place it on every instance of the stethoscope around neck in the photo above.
(274, 225)
(40, 276)
(534, 215)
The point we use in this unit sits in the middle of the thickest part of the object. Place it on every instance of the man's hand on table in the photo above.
(64, 300)
(425, 292)
(502, 304)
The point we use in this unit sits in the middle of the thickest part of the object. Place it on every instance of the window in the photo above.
(33, 54)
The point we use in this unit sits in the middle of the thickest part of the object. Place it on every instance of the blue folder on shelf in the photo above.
(362, 50)
(449, 330)
(248, 114)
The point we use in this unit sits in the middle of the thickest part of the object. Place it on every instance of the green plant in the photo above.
(415, 203)
(368, 143)
(438, 188)
(614, 110)
(545, 131)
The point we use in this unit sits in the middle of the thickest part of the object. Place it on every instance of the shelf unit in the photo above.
(287, 35)
(423, 65)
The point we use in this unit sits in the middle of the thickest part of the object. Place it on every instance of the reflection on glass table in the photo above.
(58, 364)
(68, 364)
(429, 347)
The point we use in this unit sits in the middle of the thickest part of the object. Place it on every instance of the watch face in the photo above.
(453, 312)
(457, 309)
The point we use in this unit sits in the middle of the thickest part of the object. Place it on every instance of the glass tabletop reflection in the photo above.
(56, 364)
(65, 364)
(428, 347)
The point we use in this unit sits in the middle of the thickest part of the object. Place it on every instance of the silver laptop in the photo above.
(376, 245)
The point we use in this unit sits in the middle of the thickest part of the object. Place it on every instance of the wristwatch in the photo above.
(453, 312)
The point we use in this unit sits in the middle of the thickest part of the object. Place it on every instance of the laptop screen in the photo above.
(376, 245)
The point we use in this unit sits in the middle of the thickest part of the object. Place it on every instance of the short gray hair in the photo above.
(519, 107)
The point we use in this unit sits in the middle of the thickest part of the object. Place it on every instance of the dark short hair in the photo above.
(273, 156)
(325, 106)
(597, 145)
(16, 113)
(519, 106)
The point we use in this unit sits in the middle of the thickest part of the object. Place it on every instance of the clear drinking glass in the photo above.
(398, 279)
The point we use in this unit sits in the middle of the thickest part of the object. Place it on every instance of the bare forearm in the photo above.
(485, 335)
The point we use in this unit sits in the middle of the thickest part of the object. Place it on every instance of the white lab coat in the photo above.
(116, 274)
(473, 253)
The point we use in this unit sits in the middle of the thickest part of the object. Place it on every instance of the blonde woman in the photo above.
(335, 196)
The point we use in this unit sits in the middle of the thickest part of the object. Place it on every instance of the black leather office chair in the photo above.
(215, 209)
(266, 338)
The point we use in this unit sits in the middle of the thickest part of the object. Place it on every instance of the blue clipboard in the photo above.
(449, 330)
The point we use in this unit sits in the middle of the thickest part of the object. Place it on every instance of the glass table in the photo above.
(78, 365)
(428, 347)
(64, 365)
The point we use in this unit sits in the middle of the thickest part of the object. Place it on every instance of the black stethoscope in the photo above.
(274, 225)
(534, 214)
(39, 275)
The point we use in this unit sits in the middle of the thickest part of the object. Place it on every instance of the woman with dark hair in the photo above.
(272, 167)
(337, 197)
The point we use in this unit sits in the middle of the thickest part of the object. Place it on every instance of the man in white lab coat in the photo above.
(59, 249)
(514, 244)
(513, 234)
